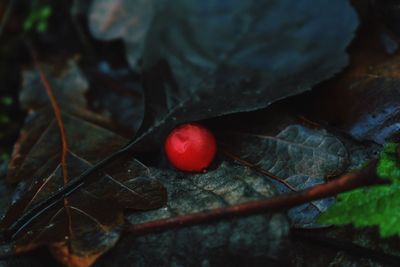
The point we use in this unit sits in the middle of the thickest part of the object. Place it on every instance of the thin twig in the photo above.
(347, 182)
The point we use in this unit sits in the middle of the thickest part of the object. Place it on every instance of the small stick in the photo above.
(347, 182)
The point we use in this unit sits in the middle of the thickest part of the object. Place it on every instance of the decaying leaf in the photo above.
(71, 87)
(364, 100)
(88, 222)
(296, 158)
(369, 106)
(231, 242)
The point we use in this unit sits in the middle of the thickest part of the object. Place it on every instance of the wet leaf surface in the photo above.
(254, 239)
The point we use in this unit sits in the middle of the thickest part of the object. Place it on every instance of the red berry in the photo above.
(190, 147)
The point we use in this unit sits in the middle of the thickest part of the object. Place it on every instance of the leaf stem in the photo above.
(69, 186)
(60, 124)
(57, 113)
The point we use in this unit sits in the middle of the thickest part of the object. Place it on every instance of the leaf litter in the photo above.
(89, 222)
(173, 106)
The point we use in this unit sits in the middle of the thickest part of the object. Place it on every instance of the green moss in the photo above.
(388, 163)
(38, 18)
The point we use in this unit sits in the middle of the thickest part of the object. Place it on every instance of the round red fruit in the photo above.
(190, 147)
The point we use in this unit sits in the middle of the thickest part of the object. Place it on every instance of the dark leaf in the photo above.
(88, 222)
(68, 79)
(116, 93)
(364, 100)
(333, 244)
(226, 243)
(369, 105)
(296, 158)
(204, 59)
(70, 89)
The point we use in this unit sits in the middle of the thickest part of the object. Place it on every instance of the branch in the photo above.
(347, 182)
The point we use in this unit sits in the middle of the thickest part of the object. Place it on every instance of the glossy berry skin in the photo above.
(190, 147)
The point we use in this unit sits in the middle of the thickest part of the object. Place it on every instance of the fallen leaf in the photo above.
(88, 222)
(370, 108)
(204, 59)
(364, 100)
(116, 93)
(67, 78)
(296, 158)
(71, 87)
(235, 241)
